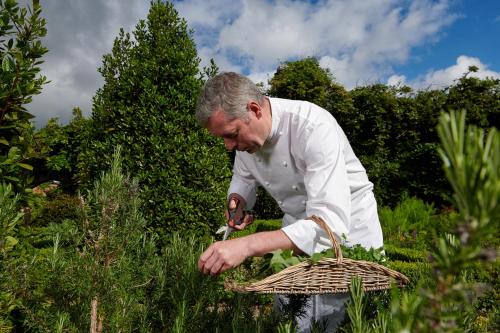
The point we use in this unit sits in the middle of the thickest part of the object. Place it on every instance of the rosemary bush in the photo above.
(471, 162)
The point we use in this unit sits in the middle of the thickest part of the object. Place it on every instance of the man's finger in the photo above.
(247, 220)
(240, 227)
(232, 203)
(209, 264)
(203, 258)
(224, 268)
(216, 268)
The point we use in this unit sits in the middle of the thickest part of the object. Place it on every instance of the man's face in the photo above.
(243, 134)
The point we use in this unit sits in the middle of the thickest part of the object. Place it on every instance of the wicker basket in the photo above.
(328, 276)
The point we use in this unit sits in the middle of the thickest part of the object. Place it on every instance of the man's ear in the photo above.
(255, 107)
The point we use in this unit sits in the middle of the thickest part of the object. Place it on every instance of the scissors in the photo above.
(236, 215)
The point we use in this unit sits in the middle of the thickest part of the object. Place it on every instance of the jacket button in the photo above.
(267, 183)
(294, 187)
(285, 164)
(280, 203)
(303, 202)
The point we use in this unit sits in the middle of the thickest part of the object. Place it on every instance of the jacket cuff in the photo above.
(307, 236)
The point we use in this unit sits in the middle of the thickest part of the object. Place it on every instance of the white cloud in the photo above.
(208, 14)
(359, 41)
(261, 78)
(396, 80)
(437, 79)
(79, 33)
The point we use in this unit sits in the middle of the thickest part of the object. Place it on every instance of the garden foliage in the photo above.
(151, 83)
(58, 149)
(449, 301)
(21, 51)
(69, 263)
(104, 272)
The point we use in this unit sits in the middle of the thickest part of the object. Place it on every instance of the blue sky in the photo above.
(421, 43)
(475, 33)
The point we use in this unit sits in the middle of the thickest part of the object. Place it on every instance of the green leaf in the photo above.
(329, 253)
(10, 242)
(6, 63)
(292, 261)
(25, 166)
(286, 254)
(316, 257)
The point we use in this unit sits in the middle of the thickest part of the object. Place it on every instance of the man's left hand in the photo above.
(221, 256)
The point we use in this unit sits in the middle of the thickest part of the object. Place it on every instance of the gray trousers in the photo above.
(327, 311)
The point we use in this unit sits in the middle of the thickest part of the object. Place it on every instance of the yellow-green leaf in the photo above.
(25, 166)
(10, 242)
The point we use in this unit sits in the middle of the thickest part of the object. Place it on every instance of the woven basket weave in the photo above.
(328, 276)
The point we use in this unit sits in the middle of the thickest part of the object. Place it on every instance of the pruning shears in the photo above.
(236, 215)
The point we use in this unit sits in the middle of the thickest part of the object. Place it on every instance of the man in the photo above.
(300, 155)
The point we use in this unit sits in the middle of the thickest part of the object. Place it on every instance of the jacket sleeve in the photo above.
(326, 183)
(243, 182)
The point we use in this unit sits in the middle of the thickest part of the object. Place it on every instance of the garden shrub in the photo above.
(268, 225)
(417, 272)
(57, 208)
(21, 52)
(10, 216)
(108, 261)
(486, 315)
(406, 254)
(258, 226)
(409, 224)
(147, 105)
(480, 97)
(376, 131)
(410, 214)
(265, 206)
(449, 299)
(58, 148)
(305, 80)
(40, 237)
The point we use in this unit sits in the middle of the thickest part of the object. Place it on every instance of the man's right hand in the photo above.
(247, 218)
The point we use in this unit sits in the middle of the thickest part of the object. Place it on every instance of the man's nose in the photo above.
(230, 144)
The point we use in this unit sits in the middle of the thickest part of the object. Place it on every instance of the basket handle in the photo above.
(331, 236)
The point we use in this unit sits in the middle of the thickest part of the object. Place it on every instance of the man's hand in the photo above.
(247, 219)
(221, 256)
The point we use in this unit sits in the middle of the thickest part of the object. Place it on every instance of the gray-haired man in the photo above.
(300, 155)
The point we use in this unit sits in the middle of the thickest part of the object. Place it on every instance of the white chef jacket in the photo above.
(308, 166)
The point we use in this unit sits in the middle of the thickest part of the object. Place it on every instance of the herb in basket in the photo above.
(278, 260)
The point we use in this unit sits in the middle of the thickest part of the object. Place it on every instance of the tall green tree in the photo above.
(147, 104)
(306, 80)
(21, 52)
(480, 97)
(58, 147)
